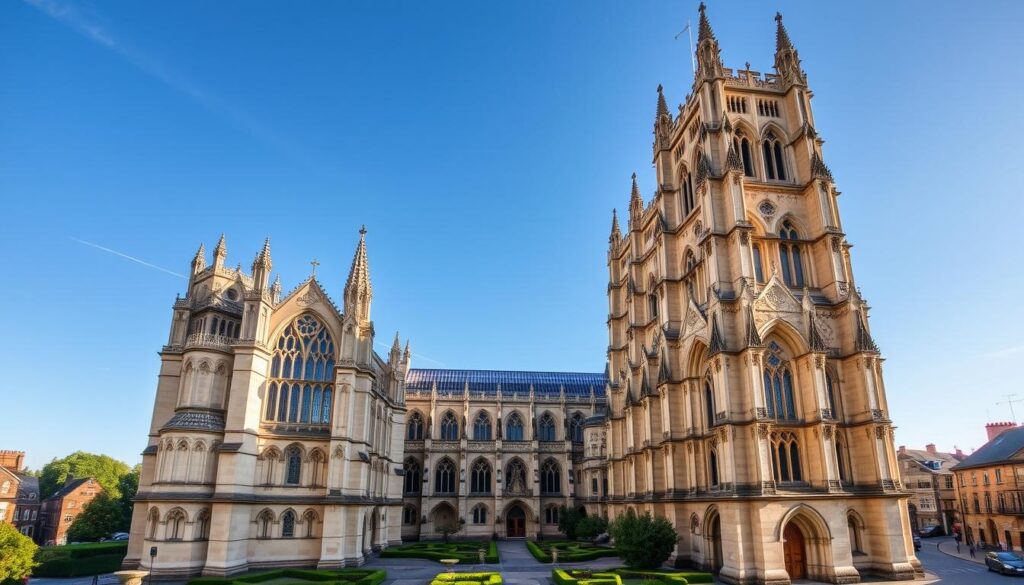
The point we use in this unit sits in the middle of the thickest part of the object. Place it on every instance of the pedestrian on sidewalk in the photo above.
(958, 546)
(971, 550)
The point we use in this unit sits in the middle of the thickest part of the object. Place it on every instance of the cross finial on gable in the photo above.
(314, 264)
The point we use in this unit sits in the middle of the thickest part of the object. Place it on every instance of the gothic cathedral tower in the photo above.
(746, 392)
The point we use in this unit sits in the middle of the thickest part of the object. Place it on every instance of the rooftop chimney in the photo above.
(930, 447)
(903, 449)
(13, 460)
(997, 428)
(959, 454)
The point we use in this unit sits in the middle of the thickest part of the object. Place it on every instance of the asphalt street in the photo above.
(943, 568)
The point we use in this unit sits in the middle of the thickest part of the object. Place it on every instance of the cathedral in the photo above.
(742, 399)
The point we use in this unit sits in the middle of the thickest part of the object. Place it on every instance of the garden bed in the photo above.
(467, 579)
(568, 551)
(300, 577)
(625, 576)
(465, 551)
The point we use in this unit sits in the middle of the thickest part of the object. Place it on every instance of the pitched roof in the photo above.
(937, 462)
(999, 449)
(69, 487)
(487, 381)
(29, 485)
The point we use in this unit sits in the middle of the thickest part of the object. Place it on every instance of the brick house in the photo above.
(990, 488)
(11, 463)
(26, 515)
(59, 510)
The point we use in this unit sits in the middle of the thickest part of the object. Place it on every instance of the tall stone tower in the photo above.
(746, 392)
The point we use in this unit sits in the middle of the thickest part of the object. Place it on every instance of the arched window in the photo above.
(690, 275)
(515, 478)
(830, 394)
(480, 514)
(293, 472)
(790, 257)
(175, 525)
(288, 524)
(546, 427)
(202, 528)
(300, 388)
(774, 165)
(413, 477)
(742, 145)
(550, 478)
(414, 428)
(652, 305)
(551, 514)
(709, 403)
(514, 427)
(480, 478)
(713, 467)
(686, 191)
(409, 515)
(778, 385)
(786, 458)
(444, 477)
(853, 526)
(576, 428)
(449, 427)
(154, 522)
(263, 522)
(318, 463)
(309, 520)
(482, 427)
(758, 267)
(842, 460)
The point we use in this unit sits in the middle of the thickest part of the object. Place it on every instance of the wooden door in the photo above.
(515, 523)
(793, 552)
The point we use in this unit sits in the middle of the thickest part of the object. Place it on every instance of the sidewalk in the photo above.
(948, 546)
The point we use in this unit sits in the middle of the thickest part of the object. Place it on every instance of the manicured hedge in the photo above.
(325, 577)
(615, 576)
(79, 560)
(465, 551)
(467, 579)
(568, 551)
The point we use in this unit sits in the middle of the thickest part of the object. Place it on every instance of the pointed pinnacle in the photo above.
(704, 29)
(635, 193)
(396, 345)
(782, 42)
(263, 258)
(359, 274)
(201, 252)
(222, 246)
(615, 222)
(662, 106)
(277, 282)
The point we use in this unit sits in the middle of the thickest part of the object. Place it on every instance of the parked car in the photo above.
(1006, 562)
(119, 536)
(917, 542)
(931, 530)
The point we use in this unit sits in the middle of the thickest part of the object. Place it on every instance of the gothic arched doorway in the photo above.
(515, 522)
(794, 552)
(713, 559)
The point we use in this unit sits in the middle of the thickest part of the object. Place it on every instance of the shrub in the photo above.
(568, 552)
(591, 526)
(78, 560)
(467, 579)
(643, 541)
(17, 553)
(327, 577)
(583, 577)
(568, 520)
(465, 551)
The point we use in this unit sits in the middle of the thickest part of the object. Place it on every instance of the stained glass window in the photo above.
(778, 385)
(304, 352)
(514, 427)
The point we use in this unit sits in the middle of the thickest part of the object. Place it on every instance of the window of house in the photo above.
(686, 191)
(758, 267)
(576, 428)
(551, 515)
(709, 404)
(786, 458)
(999, 476)
(741, 143)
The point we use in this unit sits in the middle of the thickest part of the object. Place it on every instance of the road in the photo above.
(942, 568)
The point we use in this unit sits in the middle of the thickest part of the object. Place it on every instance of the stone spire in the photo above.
(787, 60)
(220, 252)
(709, 56)
(275, 289)
(261, 267)
(636, 205)
(662, 123)
(358, 290)
(616, 235)
(199, 261)
(662, 105)
(396, 351)
(407, 353)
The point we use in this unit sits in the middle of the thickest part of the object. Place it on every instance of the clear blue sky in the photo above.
(484, 146)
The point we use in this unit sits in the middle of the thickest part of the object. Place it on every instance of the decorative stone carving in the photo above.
(309, 299)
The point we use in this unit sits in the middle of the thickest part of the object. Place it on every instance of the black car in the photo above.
(1007, 563)
(917, 542)
(931, 530)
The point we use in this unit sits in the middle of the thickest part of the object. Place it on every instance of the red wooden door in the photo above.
(793, 552)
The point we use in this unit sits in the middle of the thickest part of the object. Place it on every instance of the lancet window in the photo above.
(514, 427)
(482, 427)
(778, 385)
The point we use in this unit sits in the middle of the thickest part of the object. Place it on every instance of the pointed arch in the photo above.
(414, 426)
(514, 427)
(480, 476)
(288, 518)
(301, 372)
(482, 426)
(516, 477)
(695, 362)
(445, 473)
(175, 524)
(546, 427)
(576, 427)
(310, 520)
(153, 523)
(809, 518)
(413, 479)
(550, 477)
(449, 426)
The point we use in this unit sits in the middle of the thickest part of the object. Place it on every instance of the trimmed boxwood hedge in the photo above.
(326, 577)
(615, 576)
(568, 551)
(465, 551)
(467, 579)
(80, 560)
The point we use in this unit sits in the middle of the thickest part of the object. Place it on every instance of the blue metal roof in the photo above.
(487, 381)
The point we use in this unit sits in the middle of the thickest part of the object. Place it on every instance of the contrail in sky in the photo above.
(68, 14)
(414, 354)
(126, 256)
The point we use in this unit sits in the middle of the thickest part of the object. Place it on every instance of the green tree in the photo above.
(568, 520)
(591, 526)
(129, 486)
(16, 553)
(105, 470)
(643, 542)
(100, 518)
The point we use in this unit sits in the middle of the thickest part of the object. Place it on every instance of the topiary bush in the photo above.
(467, 579)
(643, 542)
(568, 551)
(322, 577)
(465, 551)
(79, 560)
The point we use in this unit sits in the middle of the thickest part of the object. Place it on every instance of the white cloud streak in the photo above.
(69, 15)
(414, 355)
(127, 257)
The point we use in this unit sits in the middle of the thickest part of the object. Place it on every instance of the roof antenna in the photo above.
(1009, 402)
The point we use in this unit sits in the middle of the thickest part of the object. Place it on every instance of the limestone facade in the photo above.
(497, 454)
(747, 401)
(276, 436)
